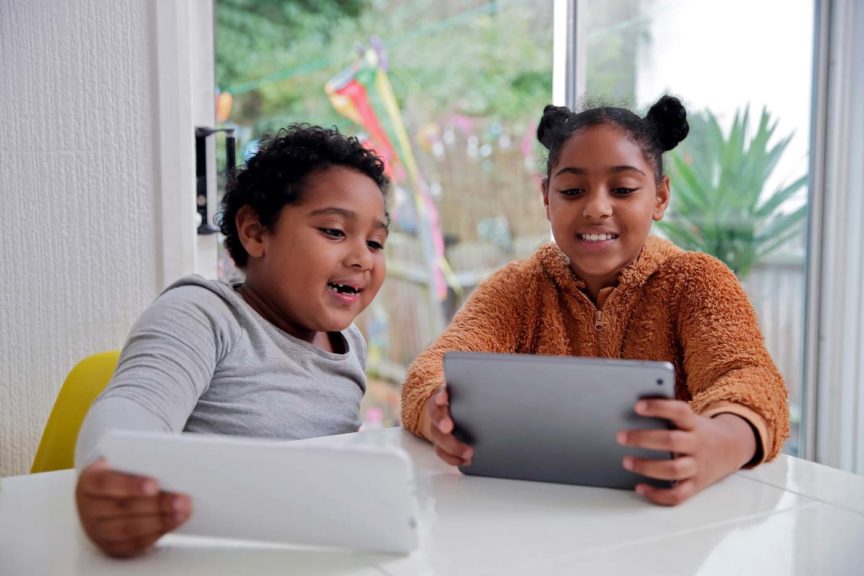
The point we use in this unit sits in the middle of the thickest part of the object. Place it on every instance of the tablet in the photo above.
(553, 418)
(357, 497)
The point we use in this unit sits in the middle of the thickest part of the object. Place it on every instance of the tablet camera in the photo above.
(659, 381)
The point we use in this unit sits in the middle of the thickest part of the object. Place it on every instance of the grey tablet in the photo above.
(553, 418)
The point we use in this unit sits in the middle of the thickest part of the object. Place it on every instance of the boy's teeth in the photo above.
(597, 237)
(342, 288)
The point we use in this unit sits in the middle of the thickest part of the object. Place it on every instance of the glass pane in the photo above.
(449, 91)
(747, 88)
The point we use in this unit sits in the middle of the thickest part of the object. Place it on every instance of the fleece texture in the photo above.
(683, 307)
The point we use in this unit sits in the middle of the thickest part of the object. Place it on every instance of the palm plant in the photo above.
(719, 203)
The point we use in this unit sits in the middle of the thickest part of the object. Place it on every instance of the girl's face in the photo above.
(322, 263)
(600, 198)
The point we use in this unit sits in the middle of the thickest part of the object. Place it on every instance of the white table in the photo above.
(787, 517)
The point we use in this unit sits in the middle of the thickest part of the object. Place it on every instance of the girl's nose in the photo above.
(597, 207)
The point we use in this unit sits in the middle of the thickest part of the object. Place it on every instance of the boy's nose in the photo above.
(359, 257)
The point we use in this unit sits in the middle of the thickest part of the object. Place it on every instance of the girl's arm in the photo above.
(738, 414)
(490, 321)
(729, 370)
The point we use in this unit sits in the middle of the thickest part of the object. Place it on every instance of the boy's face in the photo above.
(601, 198)
(322, 263)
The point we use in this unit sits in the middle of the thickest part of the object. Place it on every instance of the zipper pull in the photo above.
(598, 321)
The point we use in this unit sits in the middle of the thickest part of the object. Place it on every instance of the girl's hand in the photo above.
(437, 426)
(706, 449)
(124, 515)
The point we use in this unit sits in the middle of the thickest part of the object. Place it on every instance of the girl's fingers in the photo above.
(677, 469)
(677, 441)
(450, 458)
(676, 411)
(668, 496)
(449, 444)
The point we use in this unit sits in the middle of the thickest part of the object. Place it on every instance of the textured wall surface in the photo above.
(77, 191)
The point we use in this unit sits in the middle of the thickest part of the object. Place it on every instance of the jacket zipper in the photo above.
(598, 321)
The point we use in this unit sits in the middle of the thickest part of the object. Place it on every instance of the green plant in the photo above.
(719, 202)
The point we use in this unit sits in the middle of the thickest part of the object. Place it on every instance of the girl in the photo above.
(276, 355)
(606, 288)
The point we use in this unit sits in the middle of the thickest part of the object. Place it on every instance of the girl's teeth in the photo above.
(597, 237)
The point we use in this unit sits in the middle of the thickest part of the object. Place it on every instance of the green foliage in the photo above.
(490, 59)
(719, 203)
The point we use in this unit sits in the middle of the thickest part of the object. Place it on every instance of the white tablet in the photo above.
(553, 418)
(358, 497)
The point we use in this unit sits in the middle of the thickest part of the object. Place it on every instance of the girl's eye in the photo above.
(374, 245)
(572, 192)
(623, 191)
(333, 232)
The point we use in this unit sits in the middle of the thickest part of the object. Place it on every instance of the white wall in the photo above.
(88, 104)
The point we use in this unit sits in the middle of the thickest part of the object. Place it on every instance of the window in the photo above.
(740, 179)
(450, 92)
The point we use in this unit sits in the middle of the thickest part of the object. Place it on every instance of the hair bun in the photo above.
(555, 118)
(669, 119)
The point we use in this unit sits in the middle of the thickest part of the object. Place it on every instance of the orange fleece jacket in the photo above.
(683, 307)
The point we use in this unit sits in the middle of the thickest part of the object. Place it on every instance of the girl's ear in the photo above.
(663, 197)
(250, 231)
(544, 187)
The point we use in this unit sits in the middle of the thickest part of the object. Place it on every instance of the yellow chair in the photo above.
(86, 380)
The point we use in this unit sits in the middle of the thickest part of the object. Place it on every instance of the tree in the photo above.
(719, 202)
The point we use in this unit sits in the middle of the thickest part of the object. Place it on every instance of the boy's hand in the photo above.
(437, 426)
(706, 449)
(124, 515)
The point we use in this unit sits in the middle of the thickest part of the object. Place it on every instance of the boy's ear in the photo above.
(250, 231)
(663, 197)
(544, 187)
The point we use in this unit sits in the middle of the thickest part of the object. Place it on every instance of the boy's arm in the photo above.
(166, 364)
(729, 370)
(489, 321)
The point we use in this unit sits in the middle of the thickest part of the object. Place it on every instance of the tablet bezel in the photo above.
(554, 418)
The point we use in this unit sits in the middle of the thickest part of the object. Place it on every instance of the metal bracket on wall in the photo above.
(201, 134)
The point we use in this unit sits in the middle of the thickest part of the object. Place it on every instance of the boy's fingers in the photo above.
(104, 482)
(165, 503)
(133, 528)
(129, 548)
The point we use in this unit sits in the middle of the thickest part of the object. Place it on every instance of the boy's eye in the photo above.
(333, 232)
(375, 245)
(621, 191)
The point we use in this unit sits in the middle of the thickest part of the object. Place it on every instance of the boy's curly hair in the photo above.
(276, 174)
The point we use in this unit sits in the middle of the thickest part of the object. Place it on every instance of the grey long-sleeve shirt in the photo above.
(200, 359)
